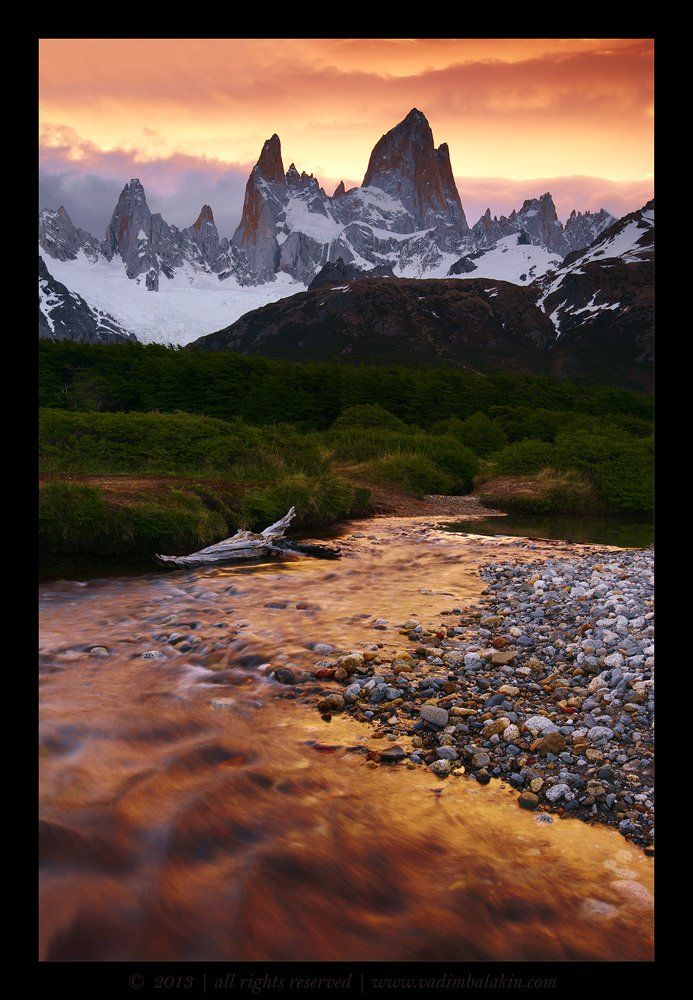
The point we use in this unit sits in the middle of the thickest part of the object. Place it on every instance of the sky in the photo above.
(189, 117)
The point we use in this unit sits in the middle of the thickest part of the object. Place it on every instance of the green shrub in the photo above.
(442, 451)
(477, 432)
(368, 415)
(77, 520)
(548, 492)
(170, 443)
(523, 458)
(413, 471)
(318, 500)
(620, 466)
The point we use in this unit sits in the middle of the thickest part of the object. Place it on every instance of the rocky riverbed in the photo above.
(546, 683)
(194, 804)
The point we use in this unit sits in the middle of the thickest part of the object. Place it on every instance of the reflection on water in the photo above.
(193, 809)
(585, 530)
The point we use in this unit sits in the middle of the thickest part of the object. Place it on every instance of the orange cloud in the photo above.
(520, 116)
(520, 107)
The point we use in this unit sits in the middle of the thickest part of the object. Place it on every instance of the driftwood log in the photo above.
(246, 545)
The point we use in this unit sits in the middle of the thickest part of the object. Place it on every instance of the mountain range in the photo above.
(406, 221)
(590, 318)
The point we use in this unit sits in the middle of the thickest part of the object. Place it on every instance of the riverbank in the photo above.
(547, 685)
(123, 485)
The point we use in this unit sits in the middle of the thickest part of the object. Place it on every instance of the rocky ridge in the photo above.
(406, 216)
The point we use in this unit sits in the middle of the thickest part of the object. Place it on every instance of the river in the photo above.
(193, 809)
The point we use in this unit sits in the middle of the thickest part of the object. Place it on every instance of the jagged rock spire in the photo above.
(270, 166)
(406, 165)
(205, 218)
(264, 200)
(131, 217)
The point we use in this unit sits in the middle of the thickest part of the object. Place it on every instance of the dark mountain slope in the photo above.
(64, 315)
(478, 323)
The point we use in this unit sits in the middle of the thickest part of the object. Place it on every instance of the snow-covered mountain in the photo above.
(602, 277)
(174, 285)
(64, 315)
(590, 318)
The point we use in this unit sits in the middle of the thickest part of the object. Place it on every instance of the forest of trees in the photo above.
(130, 377)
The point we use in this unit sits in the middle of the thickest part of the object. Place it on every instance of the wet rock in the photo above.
(441, 767)
(434, 715)
(222, 703)
(331, 703)
(551, 743)
(481, 759)
(284, 675)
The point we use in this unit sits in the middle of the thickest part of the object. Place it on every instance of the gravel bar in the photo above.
(546, 684)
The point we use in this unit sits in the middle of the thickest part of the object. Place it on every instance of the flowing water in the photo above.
(191, 808)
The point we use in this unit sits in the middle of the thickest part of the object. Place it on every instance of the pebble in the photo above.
(435, 715)
(441, 767)
(331, 703)
(539, 724)
(222, 703)
(558, 792)
(283, 675)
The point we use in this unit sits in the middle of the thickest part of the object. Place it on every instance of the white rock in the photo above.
(559, 792)
(539, 724)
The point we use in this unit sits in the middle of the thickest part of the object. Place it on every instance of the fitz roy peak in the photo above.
(289, 224)
(407, 166)
(406, 219)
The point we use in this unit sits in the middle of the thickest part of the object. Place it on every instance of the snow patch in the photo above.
(188, 306)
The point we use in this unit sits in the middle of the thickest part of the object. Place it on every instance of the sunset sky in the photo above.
(188, 117)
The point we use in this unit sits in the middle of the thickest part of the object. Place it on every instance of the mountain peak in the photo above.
(406, 165)
(135, 189)
(129, 233)
(415, 116)
(265, 194)
(270, 164)
(206, 217)
(544, 204)
(339, 190)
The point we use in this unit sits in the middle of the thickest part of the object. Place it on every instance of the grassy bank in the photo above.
(206, 443)
(125, 485)
(85, 520)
